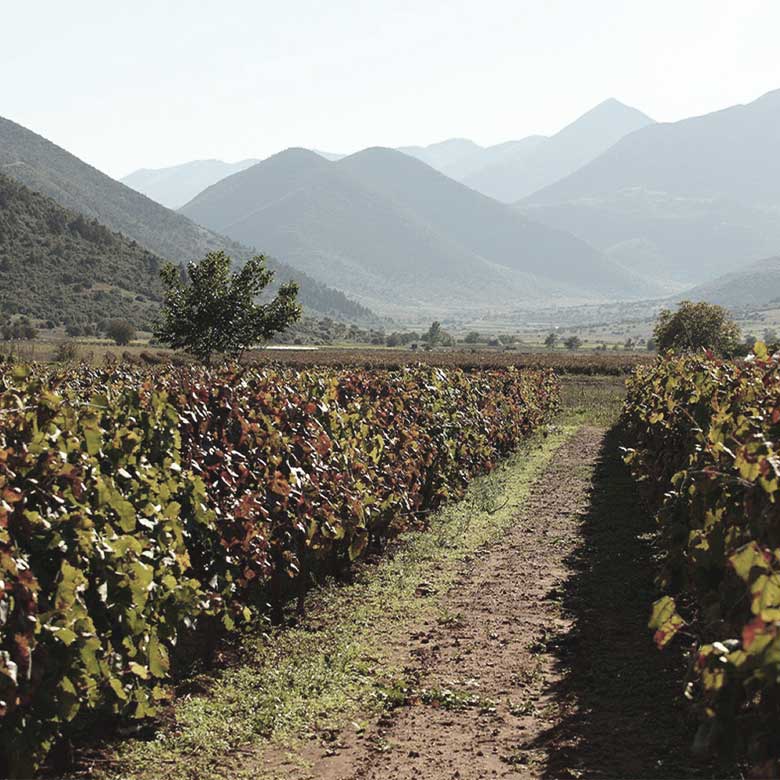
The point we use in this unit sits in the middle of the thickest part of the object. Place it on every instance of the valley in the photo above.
(332, 450)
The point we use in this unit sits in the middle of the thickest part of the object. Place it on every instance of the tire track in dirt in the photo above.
(489, 654)
(541, 665)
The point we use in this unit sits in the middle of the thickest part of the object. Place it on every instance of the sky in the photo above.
(154, 83)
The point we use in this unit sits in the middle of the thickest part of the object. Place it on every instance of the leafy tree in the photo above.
(472, 338)
(213, 310)
(434, 334)
(401, 338)
(551, 341)
(22, 329)
(696, 326)
(573, 342)
(121, 331)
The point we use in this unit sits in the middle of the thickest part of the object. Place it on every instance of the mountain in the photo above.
(687, 197)
(179, 184)
(332, 156)
(755, 286)
(398, 235)
(453, 157)
(459, 158)
(559, 155)
(43, 167)
(57, 265)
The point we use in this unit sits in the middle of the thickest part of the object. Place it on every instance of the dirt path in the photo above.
(539, 663)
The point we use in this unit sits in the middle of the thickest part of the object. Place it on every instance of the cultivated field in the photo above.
(394, 565)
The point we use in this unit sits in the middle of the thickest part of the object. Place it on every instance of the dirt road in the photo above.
(540, 664)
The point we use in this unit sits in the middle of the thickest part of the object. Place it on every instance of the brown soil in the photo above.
(544, 667)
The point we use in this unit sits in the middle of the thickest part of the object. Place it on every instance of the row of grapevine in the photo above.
(705, 438)
(563, 362)
(134, 503)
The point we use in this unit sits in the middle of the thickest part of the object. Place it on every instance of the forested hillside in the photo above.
(58, 265)
(49, 169)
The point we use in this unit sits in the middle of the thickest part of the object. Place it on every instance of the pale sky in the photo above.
(151, 83)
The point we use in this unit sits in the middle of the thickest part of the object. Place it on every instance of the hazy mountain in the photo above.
(460, 158)
(457, 158)
(57, 265)
(687, 196)
(332, 156)
(49, 169)
(451, 157)
(757, 285)
(561, 154)
(179, 184)
(397, 234)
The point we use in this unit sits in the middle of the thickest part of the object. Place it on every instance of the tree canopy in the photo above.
(209, 309)
(696, 326)
(121, 331)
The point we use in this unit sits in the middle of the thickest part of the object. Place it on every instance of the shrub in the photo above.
(66, 352)
(121, 331)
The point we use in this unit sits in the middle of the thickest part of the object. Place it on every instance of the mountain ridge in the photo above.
(175, 185)
(695, 194)
(378, 221)
(44, 167)
(560, 154)
(756, 285)
(497, 171)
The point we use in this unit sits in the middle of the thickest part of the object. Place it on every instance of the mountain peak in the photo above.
(297, 154)
(617, 114)
(613, 103)
(399, 235)
(558, 156)
(377, 153)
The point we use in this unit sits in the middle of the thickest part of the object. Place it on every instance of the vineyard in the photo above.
(139, 505)
(153, 516)
(562, 362)
(704, 442)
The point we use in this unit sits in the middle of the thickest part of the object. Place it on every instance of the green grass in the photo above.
(308, 679)
(592, 400)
